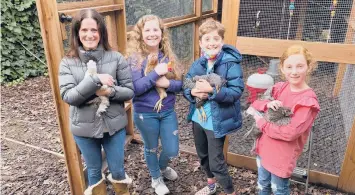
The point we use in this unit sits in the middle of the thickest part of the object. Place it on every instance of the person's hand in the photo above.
(106, 79)
(276, 104)
(197, 93)
(162, 82)
(161, 69)
(103, 92)
(203, 86)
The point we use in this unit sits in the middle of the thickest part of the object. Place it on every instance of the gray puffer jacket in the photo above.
(77, 90)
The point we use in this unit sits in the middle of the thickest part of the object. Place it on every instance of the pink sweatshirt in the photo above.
(280, 146)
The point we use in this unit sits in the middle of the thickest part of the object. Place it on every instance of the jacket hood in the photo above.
(231, 54)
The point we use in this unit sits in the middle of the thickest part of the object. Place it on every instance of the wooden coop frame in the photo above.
(53, 34)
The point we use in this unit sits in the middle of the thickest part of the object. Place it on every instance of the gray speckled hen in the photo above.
(214, 80)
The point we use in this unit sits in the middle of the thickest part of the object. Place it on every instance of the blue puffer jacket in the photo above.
(225, 105)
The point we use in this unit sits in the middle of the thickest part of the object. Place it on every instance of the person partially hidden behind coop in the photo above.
(280, 145)
(213, 86)
(96, 81)
(156, 79)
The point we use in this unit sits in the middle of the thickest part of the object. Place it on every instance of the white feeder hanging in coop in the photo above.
(258, 83)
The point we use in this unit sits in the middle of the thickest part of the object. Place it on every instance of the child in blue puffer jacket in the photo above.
(222, 107)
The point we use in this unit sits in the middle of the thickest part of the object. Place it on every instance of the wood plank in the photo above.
(121, 27)
(210, 15)
(100, 9)
(339, 53)
(181, 22)
(301, 18)
(342, 67)
(83, 5)
(130, 125)
(250, 163)
(53, 46)
(215, 6)
(225, 148)
(198, 12)
(230, 16)
(347, 173)
(111, 30)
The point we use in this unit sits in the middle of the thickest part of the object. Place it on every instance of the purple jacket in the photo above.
(146, 96)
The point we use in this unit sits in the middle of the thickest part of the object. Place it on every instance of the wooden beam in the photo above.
(129, 112)
(53, 46)
(250, 163)
(230, 16)
(301, 18)
(111, 30)
(181, 22)
(350, 33)
(121, 27)
(215, 6)
(347, 173)
(210, 15)
(225, 148)
(83, 5)
(198, 12)
(340, 53)
(100, 9)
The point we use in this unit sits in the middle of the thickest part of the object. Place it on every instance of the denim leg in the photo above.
(280, 186)
(169, 138)
(148, 125)
(264, 179)
(201, 145)
(91, 150)
(114, 149)
(218, 166)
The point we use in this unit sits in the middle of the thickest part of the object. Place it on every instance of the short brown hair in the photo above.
(211, 25)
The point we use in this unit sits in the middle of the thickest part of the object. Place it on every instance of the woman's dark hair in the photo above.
(76, 24)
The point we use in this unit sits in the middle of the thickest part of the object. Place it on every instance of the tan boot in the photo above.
(120, 186)
(97, 189)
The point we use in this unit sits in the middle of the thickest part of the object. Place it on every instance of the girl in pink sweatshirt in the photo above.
(280, 146)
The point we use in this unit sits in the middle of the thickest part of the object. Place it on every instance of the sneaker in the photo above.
(207, 190)
(159, 186)
(169, 174)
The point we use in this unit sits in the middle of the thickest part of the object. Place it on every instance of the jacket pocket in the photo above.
(115, 110)
(86, 114)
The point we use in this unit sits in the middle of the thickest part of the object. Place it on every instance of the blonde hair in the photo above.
(211, 25)
(138, 48)
(299, 49)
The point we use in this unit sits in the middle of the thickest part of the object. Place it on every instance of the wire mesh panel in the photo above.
(207, 5)
(182, 43)
(162, 8)
(310, 20)
(333, 123)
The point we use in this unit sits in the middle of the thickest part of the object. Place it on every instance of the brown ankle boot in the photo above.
(97, 189)
(120, 186)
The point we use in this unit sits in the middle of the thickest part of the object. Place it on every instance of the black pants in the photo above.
(210, 151)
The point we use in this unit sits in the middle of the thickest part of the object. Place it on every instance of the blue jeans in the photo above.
(152, 126)
(268, 182)
(114, 149)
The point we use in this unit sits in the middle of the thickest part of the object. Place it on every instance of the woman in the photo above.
(108, 77)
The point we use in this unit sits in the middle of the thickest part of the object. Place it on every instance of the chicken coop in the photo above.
(261, 30)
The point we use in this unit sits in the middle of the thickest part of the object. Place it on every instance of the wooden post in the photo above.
(347, 174)
(342, 67)
(121, 27)
(230, 16)
(111, 30)
(301, 18)
(53, 46)
(198, 13)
